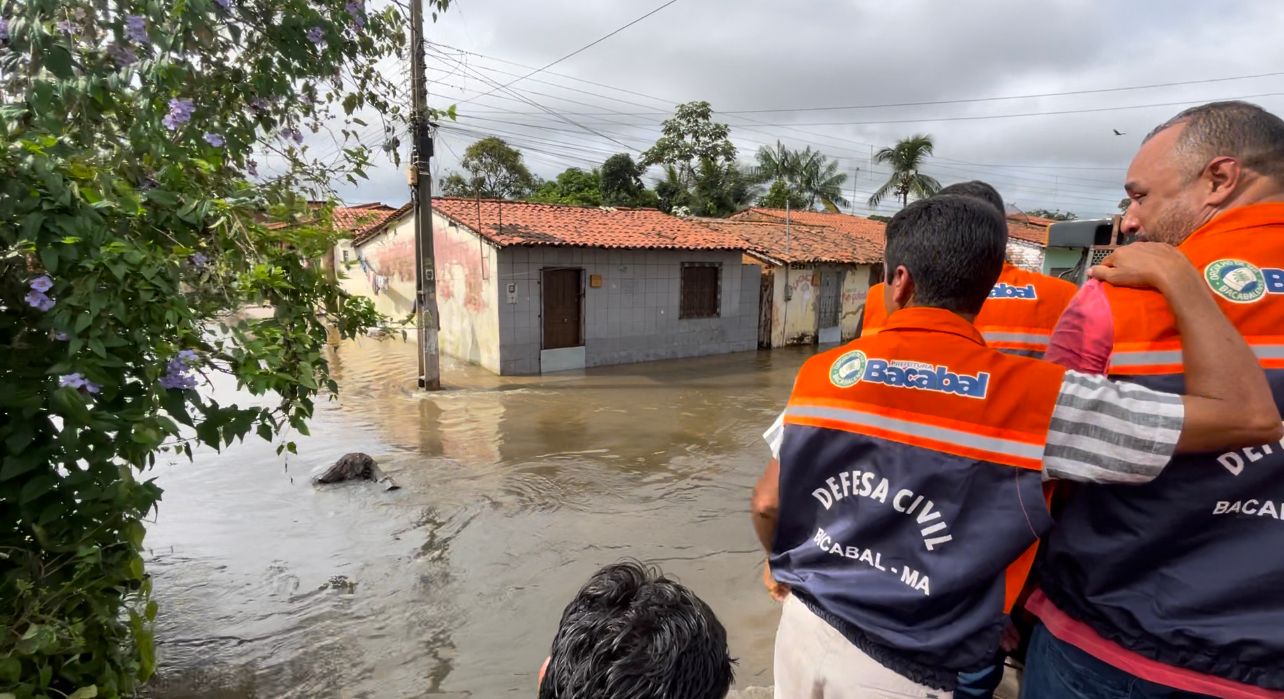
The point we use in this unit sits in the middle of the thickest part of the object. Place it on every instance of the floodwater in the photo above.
(514, 490)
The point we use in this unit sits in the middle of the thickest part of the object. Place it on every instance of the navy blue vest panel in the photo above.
(1188, 569)
(903, 549)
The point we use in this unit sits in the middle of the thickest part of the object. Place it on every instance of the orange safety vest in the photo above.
(911, 490)
(875, 311)
(1017, 318)
(1187, 569)
(1022, 310)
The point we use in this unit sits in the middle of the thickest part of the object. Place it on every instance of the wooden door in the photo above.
(765, 298)
(563, 317)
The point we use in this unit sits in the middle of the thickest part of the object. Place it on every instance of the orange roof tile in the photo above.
(1029, 234)
(799, 242)
(357, 219)
(860, 226)
(522, 223)
(1027, 219)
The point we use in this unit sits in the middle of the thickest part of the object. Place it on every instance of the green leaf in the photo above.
(10, 669)
(82, 321)
(58, 61)
(17, 464)
(68, 403)
(84, 692)
(97, 346)
(37, 487)
(49, 258)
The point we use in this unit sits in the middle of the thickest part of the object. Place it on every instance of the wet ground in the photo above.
(514, 490)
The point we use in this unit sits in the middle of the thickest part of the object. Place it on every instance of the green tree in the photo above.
(1055, 215)
(720, 189)
(689, 138)
(806, 177)
(573, 186)
(820, 180)
(906, 159)
(781, 196)
(621, 183)
(134, 226)
(492, 169)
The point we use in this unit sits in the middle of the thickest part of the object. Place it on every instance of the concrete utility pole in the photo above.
(421, 193)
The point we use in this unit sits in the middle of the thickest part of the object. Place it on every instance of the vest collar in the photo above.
(936, 320)
(1241, 217)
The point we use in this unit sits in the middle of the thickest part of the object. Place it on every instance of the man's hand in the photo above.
(1146, 266)
(778, 591)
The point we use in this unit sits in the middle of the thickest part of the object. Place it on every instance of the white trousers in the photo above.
(814, 661)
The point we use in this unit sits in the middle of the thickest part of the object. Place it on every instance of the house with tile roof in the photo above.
(528, 288)
(815, 277)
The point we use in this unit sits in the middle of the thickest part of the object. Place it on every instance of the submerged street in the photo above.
(513, 491)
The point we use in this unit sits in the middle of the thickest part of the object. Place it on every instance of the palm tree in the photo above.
(906, 157)
(819, 178)
(806, 173)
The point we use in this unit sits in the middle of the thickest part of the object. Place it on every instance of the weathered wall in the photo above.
(856, 285)
(793, 313)
(389, 266)
(633, 317)
(467, 271)
(466, 285)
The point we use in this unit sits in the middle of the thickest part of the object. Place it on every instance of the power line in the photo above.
(439, 49)
(585, 47)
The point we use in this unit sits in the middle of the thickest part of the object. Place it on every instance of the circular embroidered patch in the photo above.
(848, 369)
(1236, 281)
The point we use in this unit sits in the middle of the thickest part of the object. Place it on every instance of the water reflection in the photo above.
(514, 490)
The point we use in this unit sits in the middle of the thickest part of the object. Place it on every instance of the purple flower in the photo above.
(75, 380)
(225, 4)
(358, 14)
(252, 168)
(180, 112)
(38, 301)
(293, 134)
(61, 336)
(136, 29)
(122, 55)
(260, 104)
(178, 372)
(317, 36)
(214, 139)
(199, 260)
(67, 27)
(4, 29)
(42, 283)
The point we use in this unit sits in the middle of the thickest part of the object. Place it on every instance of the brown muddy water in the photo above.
(514, 490)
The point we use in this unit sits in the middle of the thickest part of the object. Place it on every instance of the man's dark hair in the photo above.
(632, 633)
(979, 190)
(1240, 130)
(953, 247)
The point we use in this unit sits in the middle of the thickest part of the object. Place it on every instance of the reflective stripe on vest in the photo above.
(1176, 570)
(1169, 361)
(910, 491)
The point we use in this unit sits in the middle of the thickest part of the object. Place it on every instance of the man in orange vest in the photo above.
(1174, 588)
(1022, 309)
(904, 507)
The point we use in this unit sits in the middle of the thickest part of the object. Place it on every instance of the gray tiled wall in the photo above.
(633, 317)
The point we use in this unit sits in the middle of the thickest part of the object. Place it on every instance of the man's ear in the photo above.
(1222, 176)
(543, 669)
(900, 289)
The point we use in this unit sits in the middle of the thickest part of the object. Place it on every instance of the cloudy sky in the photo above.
(776, 71)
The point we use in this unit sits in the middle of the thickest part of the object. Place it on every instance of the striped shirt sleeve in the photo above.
(1105, 431)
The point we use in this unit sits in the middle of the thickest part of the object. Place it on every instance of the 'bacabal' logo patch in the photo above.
(848, 369)
(1236, 281)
